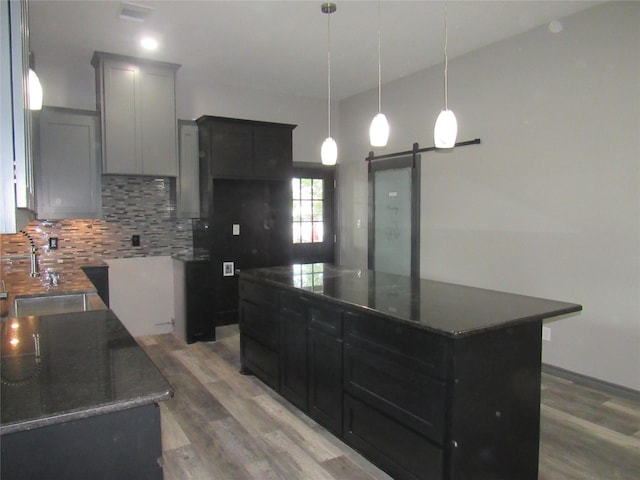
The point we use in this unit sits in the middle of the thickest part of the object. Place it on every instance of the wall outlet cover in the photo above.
(53, 243)
(135, 240)
(228, 269)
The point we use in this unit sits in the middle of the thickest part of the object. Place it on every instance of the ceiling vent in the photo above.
(133, 12)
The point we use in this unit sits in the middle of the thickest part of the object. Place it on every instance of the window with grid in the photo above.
(308, 210)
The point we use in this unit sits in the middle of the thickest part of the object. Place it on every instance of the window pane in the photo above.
(295, 210)
(306, 188)
(318, 189)
(306, 210)
(317, 211)
(318, 232)
(295, 188)
(296, 233)
(306, 232)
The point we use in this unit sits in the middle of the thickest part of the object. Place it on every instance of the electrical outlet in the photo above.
(546, 334)
(53, 243)
(135, 240)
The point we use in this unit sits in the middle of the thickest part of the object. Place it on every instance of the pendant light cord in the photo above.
(379, 67)
(446, 58)
(329, 72)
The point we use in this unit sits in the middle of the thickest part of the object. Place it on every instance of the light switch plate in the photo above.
(227, 269)
(236, 229)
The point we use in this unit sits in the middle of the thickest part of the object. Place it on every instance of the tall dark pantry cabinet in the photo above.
(245, 202)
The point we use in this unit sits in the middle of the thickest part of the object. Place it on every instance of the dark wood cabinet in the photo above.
(421, 403)
(199, 325)
(245, 200)
(272, 151)
(120, 444)
(302, 337)
(293, 350)
(259, 323)
(325, 380)
(325, 365)
(232, 148)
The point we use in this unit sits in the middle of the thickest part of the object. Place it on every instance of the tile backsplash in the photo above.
(131, 205)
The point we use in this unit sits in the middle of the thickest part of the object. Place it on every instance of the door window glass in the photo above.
(308, 210)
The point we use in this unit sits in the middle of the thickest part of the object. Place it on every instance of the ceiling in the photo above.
(281, 46)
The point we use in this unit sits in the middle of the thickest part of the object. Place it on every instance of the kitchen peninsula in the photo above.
(429, 380)
(78, 396)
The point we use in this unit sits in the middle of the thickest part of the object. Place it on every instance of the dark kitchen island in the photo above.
(429, 380)
(79, 399)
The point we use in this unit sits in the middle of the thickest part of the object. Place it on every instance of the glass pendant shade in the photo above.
(34, 90)
(379, 131)
(446, 130)
(329, 151)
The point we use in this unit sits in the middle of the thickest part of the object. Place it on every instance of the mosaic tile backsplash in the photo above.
(131, 205)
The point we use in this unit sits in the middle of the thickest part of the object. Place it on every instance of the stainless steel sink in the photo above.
(52, 304)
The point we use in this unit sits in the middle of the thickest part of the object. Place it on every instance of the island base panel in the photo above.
(119, 445)
(397, 449)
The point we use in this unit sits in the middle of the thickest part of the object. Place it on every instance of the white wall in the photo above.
(549, 204)
(71, 83)
(141, 293)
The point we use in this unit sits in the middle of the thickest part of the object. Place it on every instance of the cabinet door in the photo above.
(158, 122)
(188, 181)
(67, 167)
(200, 325)
(231, 149)
(325, 380)
(272, 152)
(293, 350)
(121, 105)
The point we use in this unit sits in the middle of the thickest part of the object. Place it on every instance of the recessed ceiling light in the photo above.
(149, 43)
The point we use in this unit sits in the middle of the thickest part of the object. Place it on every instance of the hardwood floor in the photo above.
(222, 425)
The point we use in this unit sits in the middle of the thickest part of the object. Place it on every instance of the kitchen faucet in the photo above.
(33, 256)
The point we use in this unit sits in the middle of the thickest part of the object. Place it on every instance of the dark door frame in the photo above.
(328, 174)
(409, 161)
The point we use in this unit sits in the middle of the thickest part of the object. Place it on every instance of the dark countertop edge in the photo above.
(116, 406)
(190, 258)
(572, 308)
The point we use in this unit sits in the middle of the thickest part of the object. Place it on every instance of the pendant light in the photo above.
(446, 129)
(379, 130)
(329, 151)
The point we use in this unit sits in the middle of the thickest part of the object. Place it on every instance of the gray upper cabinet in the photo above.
(67, 164)
(136, 100)
(187, 183)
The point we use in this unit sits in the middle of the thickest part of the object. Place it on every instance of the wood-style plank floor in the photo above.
(222, 425)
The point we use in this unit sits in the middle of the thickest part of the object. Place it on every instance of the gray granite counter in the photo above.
(191, 258)
(446, 308)
(59, 368)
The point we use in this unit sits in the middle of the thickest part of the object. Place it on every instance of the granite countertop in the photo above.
(58, 368)
(447, 308)
(191, 258)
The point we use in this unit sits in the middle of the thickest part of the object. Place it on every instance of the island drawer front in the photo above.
(426, 350)
(259, 322)
(392, 385)
(325, 318)
(261, 361)
(397, 449)
(293, 304)
(259, 294)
